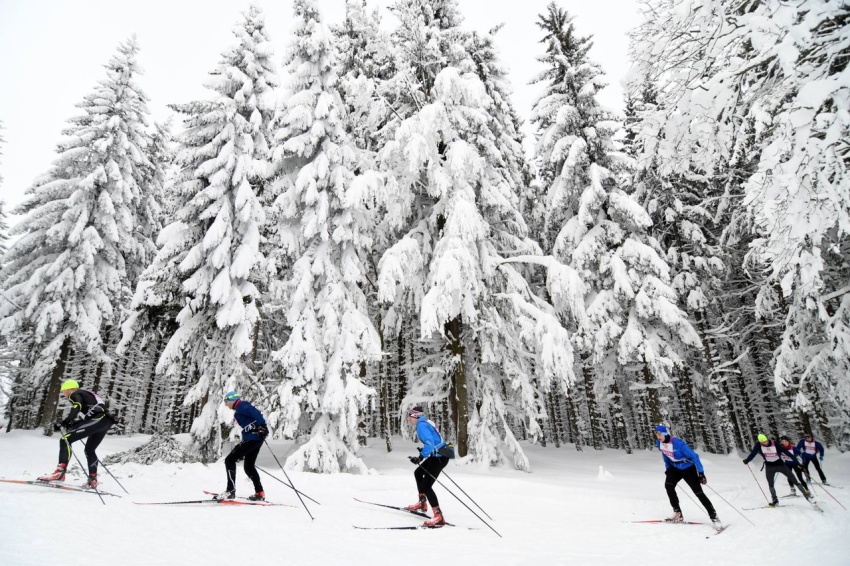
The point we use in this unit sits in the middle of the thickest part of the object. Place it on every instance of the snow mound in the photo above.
(604, 474)
(160, 448)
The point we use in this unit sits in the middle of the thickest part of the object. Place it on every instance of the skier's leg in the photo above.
(671, 478)
(770, 472)
(250, 467)
(691, 477)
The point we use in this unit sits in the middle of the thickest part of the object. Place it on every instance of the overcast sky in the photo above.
(52, 54)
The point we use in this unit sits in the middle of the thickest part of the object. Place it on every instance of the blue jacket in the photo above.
(678, 454)
(430, 437)
(246, 414)
(801, 449)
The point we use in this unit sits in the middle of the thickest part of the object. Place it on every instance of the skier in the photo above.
(810, 449)
(254, 432)
(87, 419)
(682, 463)
(792, 463)
(772, 452)
(429, 464)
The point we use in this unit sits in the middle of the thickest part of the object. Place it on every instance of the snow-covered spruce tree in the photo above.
(86, 231)
(212, 248)
(636, 335)
(453, 218)
(326, 212)
(743, 75)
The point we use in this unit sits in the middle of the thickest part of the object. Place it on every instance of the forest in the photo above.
(358, 223)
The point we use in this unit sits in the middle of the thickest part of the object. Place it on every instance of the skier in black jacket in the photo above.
(88, 419)
(772, 453)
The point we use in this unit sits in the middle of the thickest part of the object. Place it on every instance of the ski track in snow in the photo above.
(567, 511)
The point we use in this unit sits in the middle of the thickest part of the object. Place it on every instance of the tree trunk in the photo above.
(51, 400)
(458, 394)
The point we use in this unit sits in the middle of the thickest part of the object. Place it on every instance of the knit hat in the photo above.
(662, 429)
(69, 384)
(415, 412)
(762, 438)
(231, 396)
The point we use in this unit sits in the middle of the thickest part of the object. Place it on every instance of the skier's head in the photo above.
(786, 441)
(230, 398)
(808, 436)
(68, 386)
(762, 438)
(415, 413)
(662, 431)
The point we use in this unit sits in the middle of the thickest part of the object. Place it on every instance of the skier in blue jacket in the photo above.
(810, 449)
(429, 464)
(682, 463)
(254, 432)
(792, 462)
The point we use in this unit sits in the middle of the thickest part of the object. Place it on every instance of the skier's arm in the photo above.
(689, 454)
(76, 405)
(756, 450)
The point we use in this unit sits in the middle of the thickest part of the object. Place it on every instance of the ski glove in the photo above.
(821, 457)
(702, 478)
(262, 431)
(57, 427)
(746, 461)
(415, 459)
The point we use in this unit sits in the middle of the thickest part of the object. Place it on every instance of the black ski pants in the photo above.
(691, 477)
(771, 469)
(247, 450)
(799, 471)
(426, 474)
(93, 429)
(817, 467)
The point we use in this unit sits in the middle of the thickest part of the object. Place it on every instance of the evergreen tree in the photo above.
(635, 334)
(326, 212)
(87, 229)
(459, 243)
(212, 248)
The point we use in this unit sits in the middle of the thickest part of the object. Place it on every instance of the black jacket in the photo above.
(84, 404)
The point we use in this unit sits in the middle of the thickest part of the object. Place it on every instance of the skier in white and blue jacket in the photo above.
(810, 449)
(682, 463)
(429, 464)
(254, 432)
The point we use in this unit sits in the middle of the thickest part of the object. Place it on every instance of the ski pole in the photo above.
(729, 504)
(287, 485)
(757, 483)
(108, 472)
(467, 495)
(292, 485)
(419, 465)
(820, 485)
(704, 510)
(77, 458)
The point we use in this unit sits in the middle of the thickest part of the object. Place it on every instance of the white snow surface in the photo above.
(574, 508)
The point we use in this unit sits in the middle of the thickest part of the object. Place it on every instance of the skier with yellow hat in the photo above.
(773, 453)
(87, 419)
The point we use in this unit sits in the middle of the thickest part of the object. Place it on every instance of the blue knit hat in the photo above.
(662, 429)
(231, 396)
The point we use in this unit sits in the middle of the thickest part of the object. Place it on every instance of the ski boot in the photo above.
(437, 521)
(58, 475)
(793, 492)
(421, 506)
(774, 503)
(92, 483)
(715, 522)
(676, 518)
(225, 495)
(259, 496)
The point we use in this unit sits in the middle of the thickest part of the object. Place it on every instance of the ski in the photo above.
(410, 528)
(669, 522)
(397, 508)
(762, 507)
(213, 501)
(58, 486)
(191, 502)
(788, 496)
(718, 531)
(246, 501)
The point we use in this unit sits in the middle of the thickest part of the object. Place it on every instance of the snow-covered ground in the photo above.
(575, 508)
